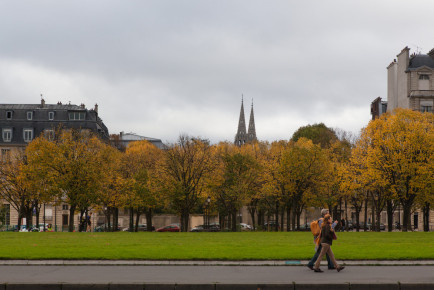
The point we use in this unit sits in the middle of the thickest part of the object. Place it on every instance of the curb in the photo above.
(293, 286)
(207, 263)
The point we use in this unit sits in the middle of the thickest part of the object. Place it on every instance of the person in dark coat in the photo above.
(327, 234)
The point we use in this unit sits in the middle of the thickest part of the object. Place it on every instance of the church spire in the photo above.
(241, 137)
(251, 134)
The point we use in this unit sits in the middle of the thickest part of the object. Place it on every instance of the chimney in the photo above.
(42, 102)
(96, 108)
(82, 106)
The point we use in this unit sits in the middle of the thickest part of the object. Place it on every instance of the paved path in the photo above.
(214, 274)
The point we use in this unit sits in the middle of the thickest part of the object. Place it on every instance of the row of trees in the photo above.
(390, 164)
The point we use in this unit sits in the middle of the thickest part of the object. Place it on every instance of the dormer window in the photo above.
(424, 77)
(50, 116)
(75, 116)
(9, 115)
(28, 134)
(7, 135)
(29, 116)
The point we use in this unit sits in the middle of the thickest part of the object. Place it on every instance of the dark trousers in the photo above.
(315, 257)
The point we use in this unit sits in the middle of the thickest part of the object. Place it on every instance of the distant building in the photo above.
(242, 137)
(122, 140)
(378, 107)
(21, 123)
(410, 81)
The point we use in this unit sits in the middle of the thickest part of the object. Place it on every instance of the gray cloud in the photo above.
(161, 68)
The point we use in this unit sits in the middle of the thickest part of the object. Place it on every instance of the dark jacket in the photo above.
(327, 234)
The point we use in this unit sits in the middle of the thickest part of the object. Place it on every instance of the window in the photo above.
(65, 207)
(425, 109)
(49, 134)
(50, 116)
(28, 135)
(7, 214)
(48, 213)
(6, 153)
(424, 77)
(7, 135)
(9, 115)
(29, 115)
(74, 116)
(65, 220)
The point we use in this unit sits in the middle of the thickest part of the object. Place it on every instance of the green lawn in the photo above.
(212, 246)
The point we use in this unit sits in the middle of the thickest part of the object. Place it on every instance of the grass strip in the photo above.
(213, 246)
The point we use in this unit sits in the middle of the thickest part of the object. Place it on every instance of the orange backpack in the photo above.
(315, 228)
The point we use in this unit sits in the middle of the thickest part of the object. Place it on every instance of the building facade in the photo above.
(21, 123)
(410, 81)
(122, 140)
(378, 107)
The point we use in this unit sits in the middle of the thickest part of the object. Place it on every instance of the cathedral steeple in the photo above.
(242, 137)
(251, 134)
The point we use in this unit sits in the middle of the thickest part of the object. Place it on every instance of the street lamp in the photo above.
(207, 204)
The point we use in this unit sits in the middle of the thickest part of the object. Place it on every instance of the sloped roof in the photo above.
(420, 60)
(38, 107)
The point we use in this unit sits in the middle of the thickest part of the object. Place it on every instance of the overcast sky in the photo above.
(161, 68)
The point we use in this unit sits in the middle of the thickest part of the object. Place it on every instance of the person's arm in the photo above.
(334, 224)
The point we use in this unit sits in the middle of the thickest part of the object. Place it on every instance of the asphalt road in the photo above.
(214, 274)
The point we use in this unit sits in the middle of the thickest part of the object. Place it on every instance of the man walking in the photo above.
(319, 247)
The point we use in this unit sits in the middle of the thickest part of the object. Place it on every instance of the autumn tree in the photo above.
(238, 180)
(303, 164)
(399, 150)
(73, 165)
(184, 168)
(14, 187)
(320, 134)
(140, 164)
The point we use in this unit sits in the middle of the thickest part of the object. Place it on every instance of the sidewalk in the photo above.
(209, 263)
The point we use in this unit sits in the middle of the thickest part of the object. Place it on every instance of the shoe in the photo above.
(318, 270)
(310, 267)
(340, 268)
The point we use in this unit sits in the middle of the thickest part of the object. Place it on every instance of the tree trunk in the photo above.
(136, 226)
(252, 216)
(234, 220)
(426, 217)
(131, 223)
(184, 221)
(276, 225)
(261, 218)
(288, 217)
(148, 214)
(37, 215)
(109, 219)
(282, 217)
(390, 208)
(71, 218)
(407, 218)
(365, 227)
(357, 219)
(378, 217)
(115, 219)
(346, 215)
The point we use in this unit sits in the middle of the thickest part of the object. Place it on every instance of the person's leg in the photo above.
(321, 254)
(315, 257)
(332, 257)
(329, 262)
